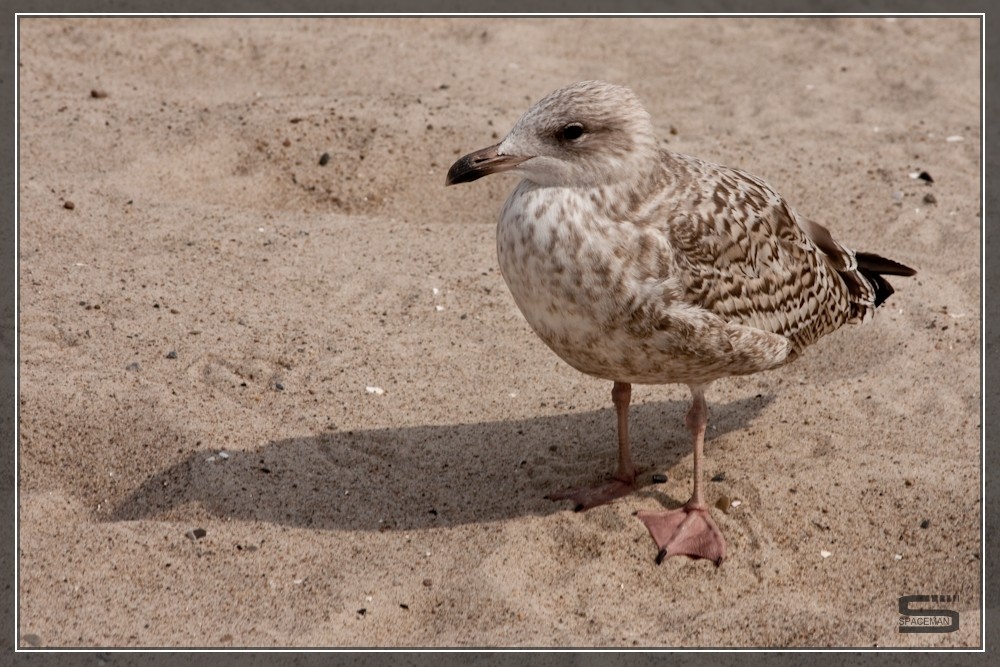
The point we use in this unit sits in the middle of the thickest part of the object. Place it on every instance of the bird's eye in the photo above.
(571, 132)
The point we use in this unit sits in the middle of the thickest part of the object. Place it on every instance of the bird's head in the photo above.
(588, 133)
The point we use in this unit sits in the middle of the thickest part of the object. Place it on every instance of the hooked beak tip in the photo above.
(480, 163)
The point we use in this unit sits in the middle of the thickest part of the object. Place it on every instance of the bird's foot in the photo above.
(688, 531)
(588, 497)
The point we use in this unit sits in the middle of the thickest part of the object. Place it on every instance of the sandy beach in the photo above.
(274, 391)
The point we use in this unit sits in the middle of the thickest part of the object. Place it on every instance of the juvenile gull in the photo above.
(643, 266)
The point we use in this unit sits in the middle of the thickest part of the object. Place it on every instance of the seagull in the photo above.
(640, 265)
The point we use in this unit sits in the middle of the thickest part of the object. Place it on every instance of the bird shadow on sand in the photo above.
(426, 476)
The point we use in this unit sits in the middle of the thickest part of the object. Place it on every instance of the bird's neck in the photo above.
(628, 198)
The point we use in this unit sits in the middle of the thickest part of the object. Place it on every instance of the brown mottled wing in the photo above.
(741, 254)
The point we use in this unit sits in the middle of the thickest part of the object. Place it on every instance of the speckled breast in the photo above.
(565, 265)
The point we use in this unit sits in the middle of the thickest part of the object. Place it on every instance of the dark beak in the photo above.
(481, 163)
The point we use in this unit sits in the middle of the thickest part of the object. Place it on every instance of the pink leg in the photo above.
(689, 530)
(623, 482)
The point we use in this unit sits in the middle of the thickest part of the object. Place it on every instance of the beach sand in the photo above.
(319, 369)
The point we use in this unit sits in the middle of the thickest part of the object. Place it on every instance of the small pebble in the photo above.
(31, 640)
(926, 523)
(736, 503)
(134, 366)
(69, 205)
(98, 94)
(427, 583)
(825, 554)
(172, 354)
(196, 534)
(924, 176)
(362, 611)
(324, 159)
(723, 503)
(278, 386)
(898, 556)
(403, 605)
(929, 198)
(378, 391)
(223, 455)
(953, 138)
(720, 477)
(659, 478)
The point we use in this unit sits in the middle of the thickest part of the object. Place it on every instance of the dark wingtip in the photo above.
(871, 262)
(873, 267)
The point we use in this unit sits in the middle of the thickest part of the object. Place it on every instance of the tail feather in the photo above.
(873, 267)
(862, 272)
